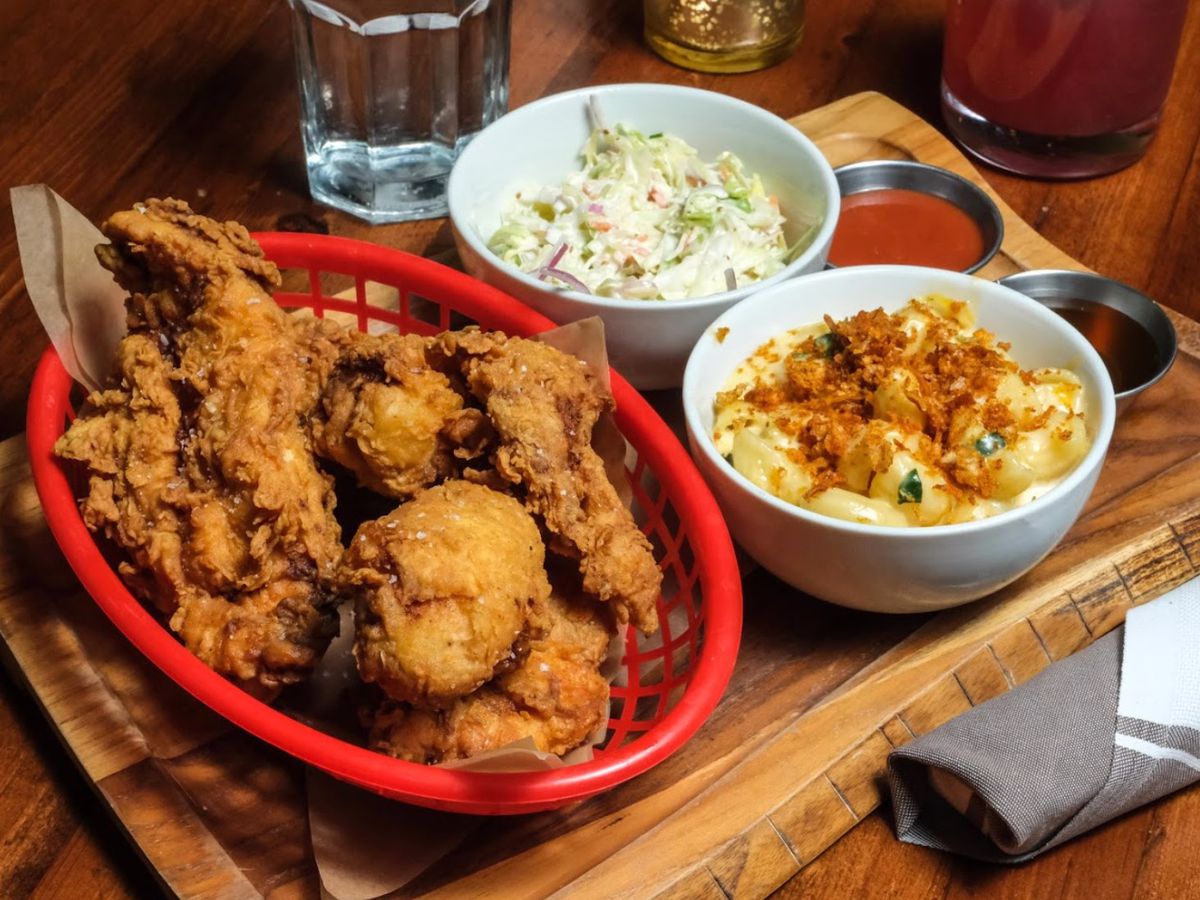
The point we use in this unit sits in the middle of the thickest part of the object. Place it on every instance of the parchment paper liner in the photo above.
(364, 845)
(81, 307)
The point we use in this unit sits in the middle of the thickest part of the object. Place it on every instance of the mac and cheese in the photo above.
(906, 419)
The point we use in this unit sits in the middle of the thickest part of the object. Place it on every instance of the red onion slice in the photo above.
(565, 277)
(549, 270)
(556, 255)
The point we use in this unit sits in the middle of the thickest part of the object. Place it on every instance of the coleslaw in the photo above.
(647, 219)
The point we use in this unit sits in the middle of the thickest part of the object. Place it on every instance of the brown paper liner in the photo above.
(79, 304)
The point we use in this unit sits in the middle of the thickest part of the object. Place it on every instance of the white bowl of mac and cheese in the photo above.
(894, 438)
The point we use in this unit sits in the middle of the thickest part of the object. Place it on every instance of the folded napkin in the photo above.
(1096, 735)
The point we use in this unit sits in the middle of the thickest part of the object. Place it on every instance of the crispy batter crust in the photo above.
(445, 588)
(387, 416)
(544, 405)
(556, 696)
(198, 458)
(202, 464)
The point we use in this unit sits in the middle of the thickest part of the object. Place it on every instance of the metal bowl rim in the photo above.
(1146, 302)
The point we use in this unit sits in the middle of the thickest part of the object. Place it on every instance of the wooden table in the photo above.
(113, 102)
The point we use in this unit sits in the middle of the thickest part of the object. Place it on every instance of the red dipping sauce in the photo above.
(903, 227)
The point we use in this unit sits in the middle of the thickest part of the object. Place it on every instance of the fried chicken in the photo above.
(199, 462)
(571, 617)
(202, 459)
(445, 588)
(391, 419)
(556, 696)
(544, 405)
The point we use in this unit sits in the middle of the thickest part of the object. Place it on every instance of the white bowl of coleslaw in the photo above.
(538, 147)
(878, 567)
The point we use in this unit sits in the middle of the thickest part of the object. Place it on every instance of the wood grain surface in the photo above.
(113, 102)
(790, 761)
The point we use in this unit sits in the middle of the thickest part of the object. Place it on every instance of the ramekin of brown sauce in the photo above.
(914, 214)
(1132, 334)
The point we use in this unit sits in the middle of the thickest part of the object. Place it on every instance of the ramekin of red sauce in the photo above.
(910, 213)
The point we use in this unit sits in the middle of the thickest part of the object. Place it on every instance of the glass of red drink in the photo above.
(1058, 88)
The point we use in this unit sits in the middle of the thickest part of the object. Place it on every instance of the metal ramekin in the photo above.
(874, 175)
(1046, 285)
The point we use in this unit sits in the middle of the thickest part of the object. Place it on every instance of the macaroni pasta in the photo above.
(906, 419)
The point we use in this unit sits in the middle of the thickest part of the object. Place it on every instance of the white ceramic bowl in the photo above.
(873, 567)
(648, 341)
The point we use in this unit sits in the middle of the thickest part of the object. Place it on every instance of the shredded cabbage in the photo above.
(646, 218)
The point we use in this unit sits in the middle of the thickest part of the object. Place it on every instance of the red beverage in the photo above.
(1058, 88)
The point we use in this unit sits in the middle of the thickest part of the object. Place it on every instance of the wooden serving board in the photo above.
(791, 759)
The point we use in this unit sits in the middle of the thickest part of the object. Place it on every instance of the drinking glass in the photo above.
(724, 35)
(390, 93)
(1058, 88)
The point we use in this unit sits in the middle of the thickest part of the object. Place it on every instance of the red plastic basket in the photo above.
(673, 680)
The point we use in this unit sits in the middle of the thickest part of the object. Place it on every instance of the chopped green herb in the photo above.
(827, 343)
(990, 443)
(656, 134)
(910, 488)
(728, 457)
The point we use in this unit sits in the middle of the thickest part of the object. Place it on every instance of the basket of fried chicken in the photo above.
(536, 595)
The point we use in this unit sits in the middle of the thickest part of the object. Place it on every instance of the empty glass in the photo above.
(390, 93)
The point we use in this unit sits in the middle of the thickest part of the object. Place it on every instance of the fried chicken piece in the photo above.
(323, 344)
(556, 696)
(544, 405)
(199, 463)
(571, 617)
(444, 588)
(127, 436)
(391, 419)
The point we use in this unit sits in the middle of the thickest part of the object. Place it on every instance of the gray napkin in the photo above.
(1093, 736)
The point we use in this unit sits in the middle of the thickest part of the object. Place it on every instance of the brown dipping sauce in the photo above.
(1128, 351)
(904, 227)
